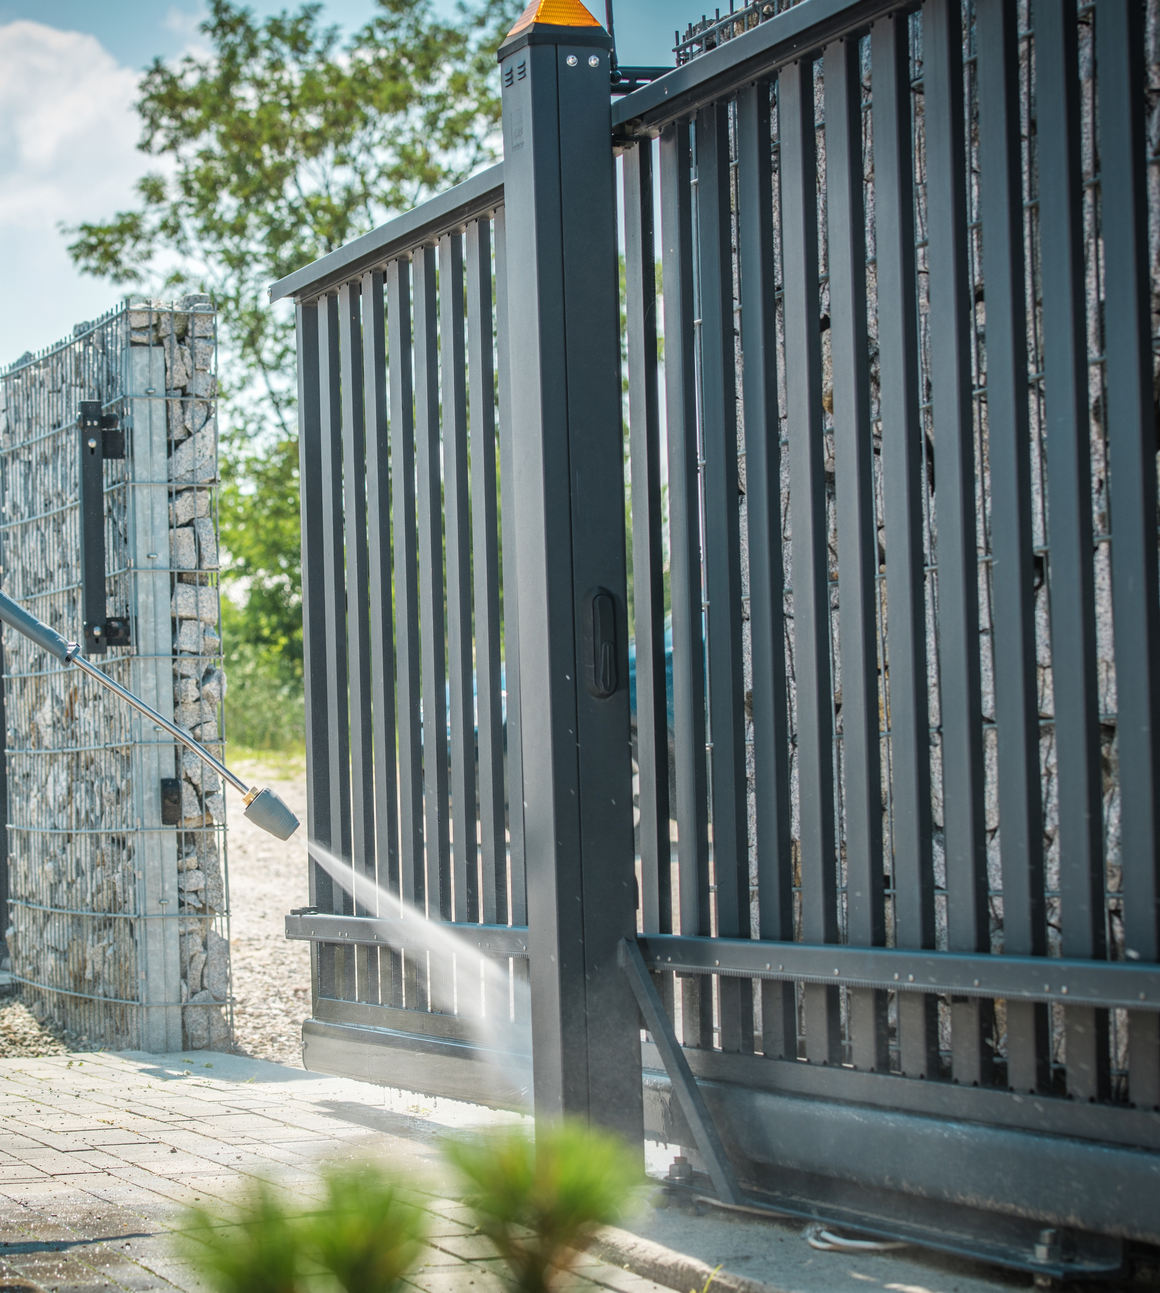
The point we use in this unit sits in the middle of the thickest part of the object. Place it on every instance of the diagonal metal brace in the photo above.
(689, 1097)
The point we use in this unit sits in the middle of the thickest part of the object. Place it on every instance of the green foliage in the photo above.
(278, 144)
(371, 1234)
(541, 1202)
(265, 704)
(257, 1247)
(367, 1237)
(260, 530)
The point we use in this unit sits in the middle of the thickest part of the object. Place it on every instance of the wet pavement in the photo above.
(99, 1154)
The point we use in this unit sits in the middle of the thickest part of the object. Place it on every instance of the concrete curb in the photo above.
(672, 1269)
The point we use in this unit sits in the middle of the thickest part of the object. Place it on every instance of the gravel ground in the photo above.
(22, 1037)
(271, 976)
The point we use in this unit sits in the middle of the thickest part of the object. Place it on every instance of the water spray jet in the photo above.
(262, 806)
(459, 977)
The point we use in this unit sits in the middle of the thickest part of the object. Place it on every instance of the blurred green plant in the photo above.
(370, 1234)
(366, 1237)
(254, 1247)
(541, 1202)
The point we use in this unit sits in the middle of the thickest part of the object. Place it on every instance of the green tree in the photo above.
(279, 143)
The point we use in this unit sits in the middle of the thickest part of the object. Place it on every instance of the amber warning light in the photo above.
(553, 13)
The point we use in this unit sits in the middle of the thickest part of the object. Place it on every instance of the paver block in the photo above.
(53, 1162)
(451, 1279)
(13, 1172)
(468, 1246)
(441, 1227)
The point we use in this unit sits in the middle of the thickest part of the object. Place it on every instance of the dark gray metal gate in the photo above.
(893, 504)
(406, 737)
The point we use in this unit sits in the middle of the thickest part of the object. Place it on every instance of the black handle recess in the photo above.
(601, 644)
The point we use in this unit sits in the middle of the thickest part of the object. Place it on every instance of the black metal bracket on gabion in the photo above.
(101, 437)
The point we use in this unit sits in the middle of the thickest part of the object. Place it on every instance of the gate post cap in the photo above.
(555, 21)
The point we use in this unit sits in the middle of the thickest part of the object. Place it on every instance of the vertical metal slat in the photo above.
(857, 536)
(960, 700)
(464, 897)
(723, 561)
(429, 491)
(485, 543)
(766, 570)
(652, 739)
(685, 573)
(334, 613)
(518, 912)
(358, 619)
(1132, 461)
(1009, 439)
(803, 357)
(914, 924)
(406, 600)
(382, 630)
(1070, 574)
(512, 898)
(314, 625)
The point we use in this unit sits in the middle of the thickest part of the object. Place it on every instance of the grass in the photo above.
(287, 763)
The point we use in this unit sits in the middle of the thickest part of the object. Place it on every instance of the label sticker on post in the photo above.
(600, 644)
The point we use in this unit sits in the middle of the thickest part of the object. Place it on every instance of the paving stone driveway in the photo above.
(98, 1153)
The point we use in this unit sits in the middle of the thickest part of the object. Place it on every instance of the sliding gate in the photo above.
(891, 501)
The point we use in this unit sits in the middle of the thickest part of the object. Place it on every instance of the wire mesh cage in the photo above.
(117, 912)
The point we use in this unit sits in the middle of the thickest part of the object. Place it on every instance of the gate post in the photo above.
(560, 205)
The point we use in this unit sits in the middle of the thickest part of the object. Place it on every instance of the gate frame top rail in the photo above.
(713, 76)
(450, 210)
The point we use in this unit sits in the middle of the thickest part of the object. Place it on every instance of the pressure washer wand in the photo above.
(263, 807)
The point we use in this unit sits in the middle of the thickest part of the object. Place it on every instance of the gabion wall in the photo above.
(118, 923)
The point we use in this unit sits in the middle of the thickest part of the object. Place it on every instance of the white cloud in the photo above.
(186, 24)
(68, 130)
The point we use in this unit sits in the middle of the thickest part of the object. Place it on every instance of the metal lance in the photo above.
(263, 807)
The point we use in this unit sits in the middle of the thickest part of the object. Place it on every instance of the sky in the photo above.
(68, 131)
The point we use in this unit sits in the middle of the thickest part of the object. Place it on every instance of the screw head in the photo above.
(571, 60)
(593, 60)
